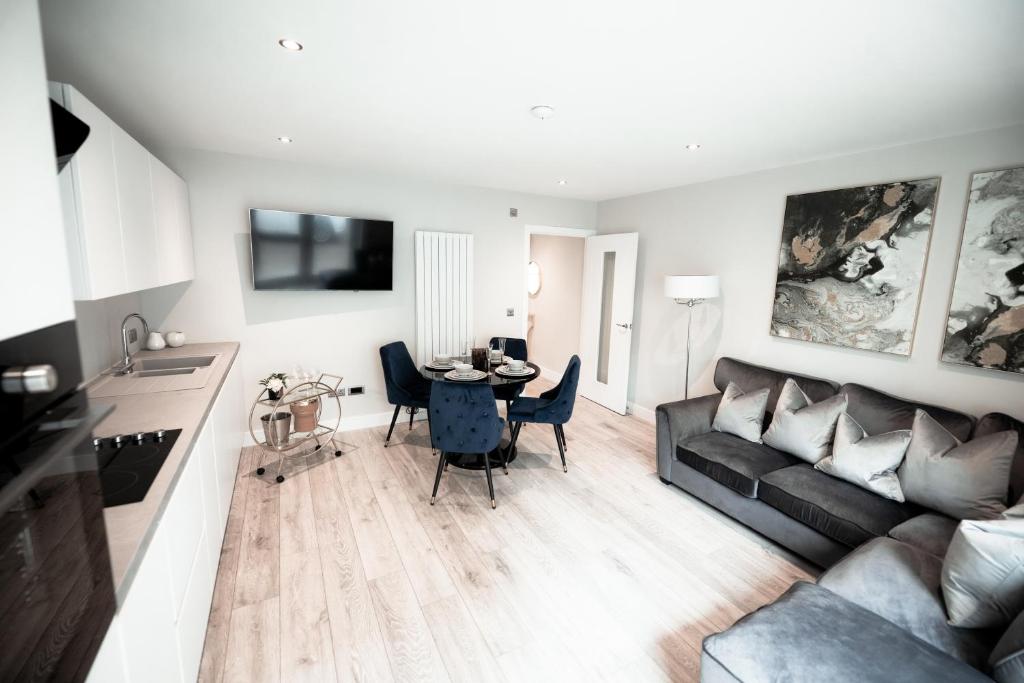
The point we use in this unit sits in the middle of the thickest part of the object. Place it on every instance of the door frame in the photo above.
(529, 230)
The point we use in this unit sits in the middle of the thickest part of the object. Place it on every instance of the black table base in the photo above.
(475, 461)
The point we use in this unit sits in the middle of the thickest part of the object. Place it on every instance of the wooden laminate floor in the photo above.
(344, 572)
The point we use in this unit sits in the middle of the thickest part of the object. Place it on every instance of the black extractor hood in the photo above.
(69, 132)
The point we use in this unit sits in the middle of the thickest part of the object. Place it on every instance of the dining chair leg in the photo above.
(561, 449)
(561, 432)
(441, 462)
(394, 419)
(430, 433)
(511, 445)
(412, 414)
(490, 482)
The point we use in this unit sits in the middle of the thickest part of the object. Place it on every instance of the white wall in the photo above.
(732, 228)
(555, 335)
(34, 276)
(99, 331)
(337, 331)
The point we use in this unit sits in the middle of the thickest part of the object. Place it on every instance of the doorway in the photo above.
(553, 296)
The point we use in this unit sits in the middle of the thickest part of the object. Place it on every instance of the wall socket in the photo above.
(351, 391)
(512, 213)
(133, 335)
(510, 312)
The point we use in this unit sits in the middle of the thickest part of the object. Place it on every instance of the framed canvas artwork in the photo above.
(985, 325)
(851, 265)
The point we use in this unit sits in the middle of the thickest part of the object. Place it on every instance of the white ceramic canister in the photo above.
(155, 341)
(175, 339)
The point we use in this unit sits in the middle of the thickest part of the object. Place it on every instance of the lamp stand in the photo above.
(690, 303)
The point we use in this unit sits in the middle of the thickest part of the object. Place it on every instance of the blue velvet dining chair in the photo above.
(514, 348)
(553, 407)
(405, 386)
(464, 420)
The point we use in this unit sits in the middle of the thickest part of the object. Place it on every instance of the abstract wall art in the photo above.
(985, 326)
(851, 265)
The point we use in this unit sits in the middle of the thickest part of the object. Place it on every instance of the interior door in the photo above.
(606, 323)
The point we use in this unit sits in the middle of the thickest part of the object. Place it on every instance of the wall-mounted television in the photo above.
(309, 251)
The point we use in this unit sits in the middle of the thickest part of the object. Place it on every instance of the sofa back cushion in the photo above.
(998, 422)
(878, 412)
(750, 378)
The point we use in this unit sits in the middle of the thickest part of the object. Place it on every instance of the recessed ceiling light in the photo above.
(562, 181)
(284, 139)
(289, 44)
(542, 111)
(693, 147)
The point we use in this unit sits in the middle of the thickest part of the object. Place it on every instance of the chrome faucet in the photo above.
(126, 358)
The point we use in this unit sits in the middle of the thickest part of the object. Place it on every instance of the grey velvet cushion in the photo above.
(811, 635)
(963, 480)
(843, 512)
(802, 427)
(931, 532)
(878, 412)
(741, 414)
(1007, 659)
(998, 422)
(731, 461)
(750, 377)
(901, 584)
(983, 573)
(869, 462)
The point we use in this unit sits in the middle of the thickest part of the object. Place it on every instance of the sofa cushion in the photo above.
(731, 461)
(997, 422)
(1007, 659)
(741, 414)
(869, 462)
(877, 412)
(931, 532)
(963, 480)
(983, 573)
(803, 427)
(901, 584)
(810, 634)
(835, 508)
(749, 377)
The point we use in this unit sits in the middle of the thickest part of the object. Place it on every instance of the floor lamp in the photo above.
(690, 290)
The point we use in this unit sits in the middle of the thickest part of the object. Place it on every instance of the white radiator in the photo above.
(444, 294)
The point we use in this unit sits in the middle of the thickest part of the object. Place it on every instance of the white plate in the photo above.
(435, 366)
(476, 375)
(508, 372)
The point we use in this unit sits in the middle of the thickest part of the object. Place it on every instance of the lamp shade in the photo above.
(691, 286)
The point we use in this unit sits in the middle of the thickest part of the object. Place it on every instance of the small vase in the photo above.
(305, 414)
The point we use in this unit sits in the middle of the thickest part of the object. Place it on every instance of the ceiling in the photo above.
(443, 89)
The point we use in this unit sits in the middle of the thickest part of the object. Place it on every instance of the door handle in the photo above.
(625, 326)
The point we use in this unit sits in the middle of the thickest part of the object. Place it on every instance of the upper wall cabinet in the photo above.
(126, 214)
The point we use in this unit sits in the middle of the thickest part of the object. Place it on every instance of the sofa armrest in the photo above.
(680, 420)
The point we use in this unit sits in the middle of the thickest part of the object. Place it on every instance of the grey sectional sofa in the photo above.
(877, 614)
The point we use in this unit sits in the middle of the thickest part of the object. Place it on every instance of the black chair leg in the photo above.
(441, 461)
(394, 419)
(561, 449)
(511, 444)
(561, 433)
(412, 414)
(430, 432)
(490, 482)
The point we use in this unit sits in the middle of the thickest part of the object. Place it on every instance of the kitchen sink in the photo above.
(162, 373)
(179, 363)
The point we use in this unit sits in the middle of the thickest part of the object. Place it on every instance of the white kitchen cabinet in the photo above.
(92, 219)
(211, 496)
(183, 524)
(228, 417)
(135, 204)
(174, 258)
(126, 215)
(108, 667)
(146, 620)
(195, 612)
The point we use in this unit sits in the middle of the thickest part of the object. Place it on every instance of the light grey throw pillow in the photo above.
(964, 480)
(983, 573)
(870, 462)
(741, 414)
(800, 426)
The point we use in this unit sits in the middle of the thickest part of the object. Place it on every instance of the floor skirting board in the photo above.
(642, 412)
(352, 422)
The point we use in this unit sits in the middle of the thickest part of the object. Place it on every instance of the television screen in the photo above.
(305, 251)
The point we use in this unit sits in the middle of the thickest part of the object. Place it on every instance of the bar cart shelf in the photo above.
(323, 389)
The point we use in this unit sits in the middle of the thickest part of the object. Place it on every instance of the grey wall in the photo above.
(338, 332)
(732, 227)
(99, 331)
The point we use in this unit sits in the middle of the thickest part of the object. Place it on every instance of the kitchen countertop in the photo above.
(130, 528)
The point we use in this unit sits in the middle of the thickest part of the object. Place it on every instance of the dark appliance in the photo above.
(56, 589)
(130, 462)
(69, 132)
(306, 251)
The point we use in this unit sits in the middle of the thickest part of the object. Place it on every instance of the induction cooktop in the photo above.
(130, 462)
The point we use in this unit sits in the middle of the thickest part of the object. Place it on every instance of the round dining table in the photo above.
(475, 461)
